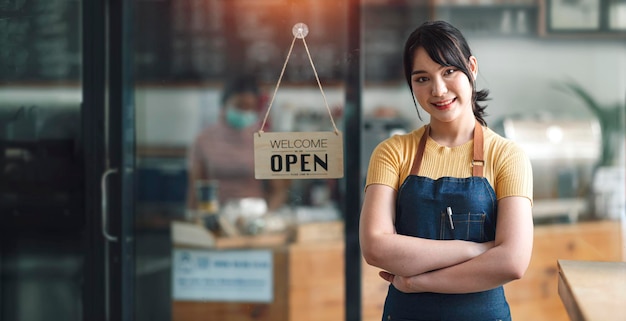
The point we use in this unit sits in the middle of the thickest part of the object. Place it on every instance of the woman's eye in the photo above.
(420, 79)
(450, 71)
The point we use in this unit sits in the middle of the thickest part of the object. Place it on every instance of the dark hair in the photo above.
(446, 46)
(239, 85)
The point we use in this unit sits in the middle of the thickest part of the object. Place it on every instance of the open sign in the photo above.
(298, 155)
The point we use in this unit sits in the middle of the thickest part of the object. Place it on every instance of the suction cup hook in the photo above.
(300, 30)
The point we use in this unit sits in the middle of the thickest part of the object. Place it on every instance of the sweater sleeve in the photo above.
(383, 166)
(390, 162)
(513, 172)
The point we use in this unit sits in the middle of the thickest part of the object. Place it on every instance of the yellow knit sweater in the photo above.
(507, 168)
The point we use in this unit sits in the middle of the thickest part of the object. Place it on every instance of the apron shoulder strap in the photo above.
(417, 161)
(478, 161)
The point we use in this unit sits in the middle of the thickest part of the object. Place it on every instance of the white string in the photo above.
(319, 84)
(282, 72)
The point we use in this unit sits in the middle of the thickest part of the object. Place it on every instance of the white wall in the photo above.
(521, 73)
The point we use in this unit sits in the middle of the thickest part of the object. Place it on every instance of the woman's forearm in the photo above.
(494, 268)
(407, 256)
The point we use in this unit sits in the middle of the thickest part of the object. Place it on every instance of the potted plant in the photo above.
(607, 196)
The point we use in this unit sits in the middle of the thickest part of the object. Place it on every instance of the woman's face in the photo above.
(242, 110)
(444, 92)
(245, 102)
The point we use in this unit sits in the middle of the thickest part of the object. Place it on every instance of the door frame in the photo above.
(92, 110)
(108, 133)
(121, 135)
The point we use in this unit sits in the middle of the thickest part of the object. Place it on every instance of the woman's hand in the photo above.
(402, 284)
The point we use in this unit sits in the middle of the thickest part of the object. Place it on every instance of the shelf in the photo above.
(501, 20)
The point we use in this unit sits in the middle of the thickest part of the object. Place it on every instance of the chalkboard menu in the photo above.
(39, 40)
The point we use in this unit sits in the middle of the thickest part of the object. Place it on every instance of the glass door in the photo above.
(211, 240)
(66, 183)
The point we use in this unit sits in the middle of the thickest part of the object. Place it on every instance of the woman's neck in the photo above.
(454, 133)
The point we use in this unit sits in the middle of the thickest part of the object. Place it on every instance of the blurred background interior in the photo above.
(556, 70)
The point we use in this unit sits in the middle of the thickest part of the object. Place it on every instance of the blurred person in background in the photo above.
(224, 151)
(447, 208)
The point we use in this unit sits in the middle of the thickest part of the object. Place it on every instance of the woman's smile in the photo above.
(444, 104)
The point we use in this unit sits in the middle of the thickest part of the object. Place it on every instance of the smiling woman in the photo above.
(447, 255)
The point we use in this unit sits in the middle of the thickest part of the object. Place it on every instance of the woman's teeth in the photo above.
(444, 103)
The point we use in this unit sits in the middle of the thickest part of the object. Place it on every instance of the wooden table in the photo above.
(593, 290)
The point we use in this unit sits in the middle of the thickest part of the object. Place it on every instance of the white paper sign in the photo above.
(298, 155)
(225, 276)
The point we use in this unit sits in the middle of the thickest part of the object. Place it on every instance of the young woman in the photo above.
(447, 209)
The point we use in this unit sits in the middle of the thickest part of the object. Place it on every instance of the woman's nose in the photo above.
(439, 88)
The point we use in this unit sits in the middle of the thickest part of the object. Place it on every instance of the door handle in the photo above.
(105, 209)
(107, 236)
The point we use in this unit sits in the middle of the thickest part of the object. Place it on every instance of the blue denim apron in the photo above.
(444, 209)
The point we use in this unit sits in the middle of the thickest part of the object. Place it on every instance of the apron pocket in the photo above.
(467, 227)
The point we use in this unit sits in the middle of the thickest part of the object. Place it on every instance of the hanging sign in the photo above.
(298, 155)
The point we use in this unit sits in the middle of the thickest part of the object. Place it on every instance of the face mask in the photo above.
(240, 119)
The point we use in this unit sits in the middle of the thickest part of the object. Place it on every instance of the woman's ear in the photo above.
(473, 66)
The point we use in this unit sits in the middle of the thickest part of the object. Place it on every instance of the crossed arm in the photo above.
(451, 266)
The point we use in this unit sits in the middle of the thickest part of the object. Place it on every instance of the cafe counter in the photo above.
(593, 290)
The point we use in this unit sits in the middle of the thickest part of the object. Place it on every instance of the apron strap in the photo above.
(478, 163)
(417, 162)
(478, 160)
